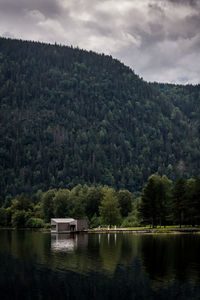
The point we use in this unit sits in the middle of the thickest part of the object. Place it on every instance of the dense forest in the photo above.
(72, 117)
(162, 203)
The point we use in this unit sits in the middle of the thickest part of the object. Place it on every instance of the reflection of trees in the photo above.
(168, 261)
(26, 245)
(110, 250)
(157, 258)
(170, 257)
(186, 257)
(130, 248)
(164, 258)
(118, 249)
(47, 283)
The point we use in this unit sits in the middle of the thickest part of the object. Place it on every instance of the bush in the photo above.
(19, 219)
(34, 223)
(131, 221)
(3, 217)
(47, 225)
(94, 222)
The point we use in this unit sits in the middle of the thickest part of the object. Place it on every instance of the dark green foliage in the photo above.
(1, 201)
(134, 218)
(161, 203)
(155, 206)
(78, 201)
(70, 116)
(19, 218)
(78, 211)
(3, 217)
(60, 202)
(22, 203)
(48, 205)
(130, 221)
(95, 221)
(192, 195)
(125, 202)
(7, 202)
(94, 197)
(34, 223)
(186, 118)
(149, 208)
(179, 200)
(37, 197)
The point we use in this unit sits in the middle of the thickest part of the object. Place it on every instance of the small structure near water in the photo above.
(68, 225)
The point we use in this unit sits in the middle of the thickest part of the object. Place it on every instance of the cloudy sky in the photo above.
(158, 39)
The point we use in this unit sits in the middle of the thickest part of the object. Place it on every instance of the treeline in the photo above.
(161, 203)
(69, 116)
(97, 204)
(164, 203)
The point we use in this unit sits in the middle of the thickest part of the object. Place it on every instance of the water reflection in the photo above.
(99, 238)
(68, 242)
(100, 266)
(115, 235)
(171, 257)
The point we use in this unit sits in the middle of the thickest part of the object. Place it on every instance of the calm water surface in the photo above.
(36, 265)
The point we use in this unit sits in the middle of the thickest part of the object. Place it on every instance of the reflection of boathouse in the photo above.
(68, 225)
(68, 242)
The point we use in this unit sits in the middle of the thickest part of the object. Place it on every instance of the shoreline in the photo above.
(118, 230)
(149, 231)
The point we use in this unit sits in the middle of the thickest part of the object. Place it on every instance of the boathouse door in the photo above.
(72, 228)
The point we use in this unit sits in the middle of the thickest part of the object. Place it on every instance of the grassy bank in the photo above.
(148, 229)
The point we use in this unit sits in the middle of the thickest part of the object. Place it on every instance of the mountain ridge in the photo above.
(70, 116)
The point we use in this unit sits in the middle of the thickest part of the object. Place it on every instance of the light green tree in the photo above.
(109, 209)
(60, 203)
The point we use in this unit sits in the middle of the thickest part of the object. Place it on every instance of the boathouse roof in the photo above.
(60, 220)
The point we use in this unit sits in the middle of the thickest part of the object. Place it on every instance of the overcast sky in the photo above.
(158, 39)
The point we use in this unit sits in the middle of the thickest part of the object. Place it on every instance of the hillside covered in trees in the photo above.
(69, 116)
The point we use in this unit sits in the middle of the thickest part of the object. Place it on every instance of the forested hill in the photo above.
(70, 116)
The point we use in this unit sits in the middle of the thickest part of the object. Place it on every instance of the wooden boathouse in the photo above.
(59, 225)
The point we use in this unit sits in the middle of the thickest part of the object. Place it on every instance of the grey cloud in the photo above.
(160, 40)
(184, 2)
(156, 8)
(46, 7)
(98, 29)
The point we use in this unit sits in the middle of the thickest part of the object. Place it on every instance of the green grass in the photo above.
(158, 229)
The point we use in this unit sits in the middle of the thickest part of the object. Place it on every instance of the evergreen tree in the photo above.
(48, 205)
(192, 204)
(149, 207)
(69, 116)
(125, 199)
(179, 201)
(94, 197)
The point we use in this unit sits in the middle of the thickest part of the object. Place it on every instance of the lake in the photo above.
(39, 265)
